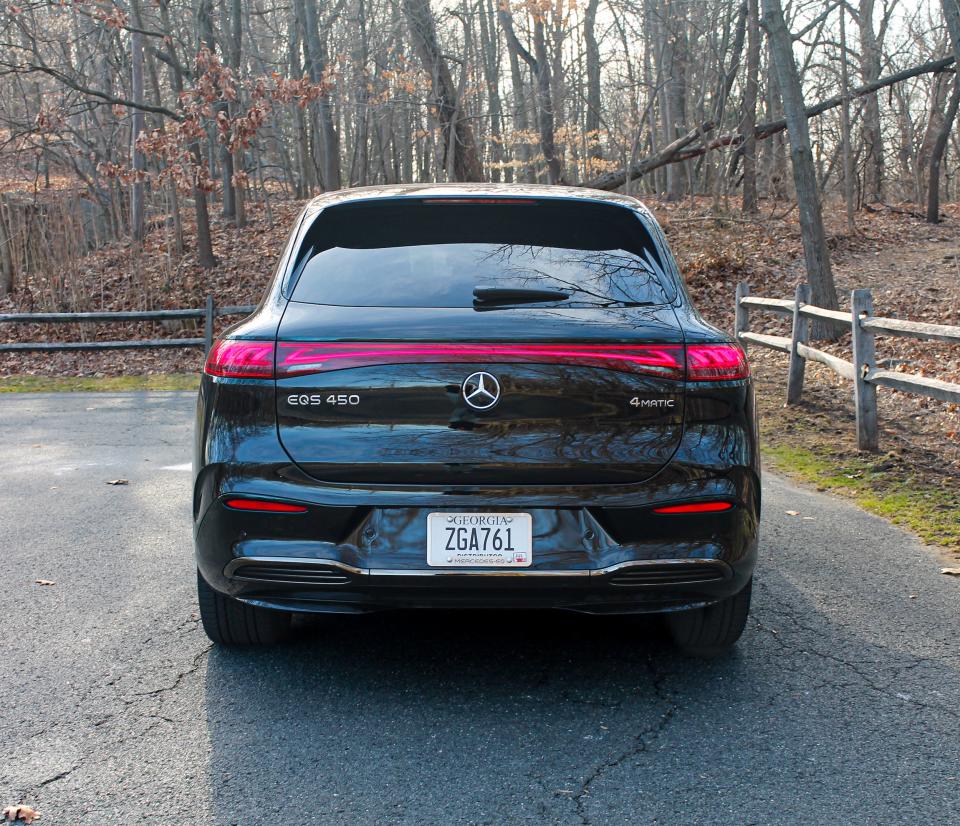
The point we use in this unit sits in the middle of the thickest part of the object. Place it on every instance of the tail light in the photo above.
(301, 358)
(263, 506)
(716, 362)
(239, 359)
(695, 507)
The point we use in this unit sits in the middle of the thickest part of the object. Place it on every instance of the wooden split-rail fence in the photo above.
(208, 313)
(862, 367)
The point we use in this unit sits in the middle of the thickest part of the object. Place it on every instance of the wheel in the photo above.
(228, 621)
(713, 630)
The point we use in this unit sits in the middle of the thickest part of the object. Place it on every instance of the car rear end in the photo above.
(483, 401)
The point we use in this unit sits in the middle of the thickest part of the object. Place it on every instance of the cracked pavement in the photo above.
(841, 704)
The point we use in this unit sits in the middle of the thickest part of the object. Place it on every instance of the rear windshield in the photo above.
(422, 254)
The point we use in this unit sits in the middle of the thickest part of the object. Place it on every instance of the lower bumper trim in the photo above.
(330, 572)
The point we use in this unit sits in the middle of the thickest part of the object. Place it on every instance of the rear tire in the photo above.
(229, 621)
(713, 630)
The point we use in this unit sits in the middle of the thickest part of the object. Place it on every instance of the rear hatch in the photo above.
(480, 343)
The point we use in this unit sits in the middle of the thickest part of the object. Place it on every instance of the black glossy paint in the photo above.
(563, 444)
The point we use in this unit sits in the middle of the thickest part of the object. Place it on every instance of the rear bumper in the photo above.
(614, 557)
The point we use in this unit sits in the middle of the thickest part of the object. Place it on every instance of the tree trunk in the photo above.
(749, 121)
(951, 13)
(309, 36)
(307, 178)
(870, 131)
(136, 127)
(491, 75)
(815, 251)
(329, 136)
(592, 120)
(674, 92)
(848, 195)
(545, 102)
(520, 122)
(173, 198)
(217, 149)
(314, 65)
(361, 57)
(936, 155)
(6, 250)
(457, 132)
(540, 66)
(776, 154)
(205, 256)
(235, 53)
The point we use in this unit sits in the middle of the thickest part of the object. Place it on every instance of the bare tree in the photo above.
(594, 104)
(460, 150)
(136, 127)
(815, 251)
(951, 13)
(749, 121)
(540, 66)
(871, 133)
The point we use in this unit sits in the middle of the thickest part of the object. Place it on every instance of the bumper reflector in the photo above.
(263, 506)
(695, 507)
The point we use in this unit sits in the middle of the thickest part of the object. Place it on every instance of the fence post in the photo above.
(864, 360)
(800, 335)
(208, 326)
(741, 316)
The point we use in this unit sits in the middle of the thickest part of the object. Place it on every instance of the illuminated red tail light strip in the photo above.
(716, 362)
(295, 359)
(263, 506)
(238, 358)
(695, 507)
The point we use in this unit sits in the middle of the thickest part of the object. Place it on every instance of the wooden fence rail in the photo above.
(862, 368)
(207, 313)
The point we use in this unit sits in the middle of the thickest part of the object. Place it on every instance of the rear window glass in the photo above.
(418, 254)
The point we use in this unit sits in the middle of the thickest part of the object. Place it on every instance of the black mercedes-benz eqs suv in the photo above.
(478, 396)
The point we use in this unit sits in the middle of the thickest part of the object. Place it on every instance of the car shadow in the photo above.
(536, 718)
(376, 718)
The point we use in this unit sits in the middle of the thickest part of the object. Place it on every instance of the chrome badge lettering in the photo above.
(302, 399)
(658, 403)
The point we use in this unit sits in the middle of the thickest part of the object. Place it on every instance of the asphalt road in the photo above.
(841, 705)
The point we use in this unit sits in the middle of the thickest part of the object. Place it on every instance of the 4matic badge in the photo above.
(636, 401)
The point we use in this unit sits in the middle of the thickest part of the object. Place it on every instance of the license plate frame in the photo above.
(484, 539)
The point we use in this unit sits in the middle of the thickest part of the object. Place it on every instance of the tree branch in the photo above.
(68, 81)
(681, 149)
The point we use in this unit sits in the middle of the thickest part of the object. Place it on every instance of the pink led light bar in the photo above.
(301, 358)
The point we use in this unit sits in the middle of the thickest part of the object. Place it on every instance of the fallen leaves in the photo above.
(25, 813)
(950, 571)
(44, 582)
(119, 482)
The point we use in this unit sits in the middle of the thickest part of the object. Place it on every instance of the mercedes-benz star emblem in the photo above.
(481, 390)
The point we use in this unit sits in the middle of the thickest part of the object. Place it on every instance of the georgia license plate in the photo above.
(470, 540)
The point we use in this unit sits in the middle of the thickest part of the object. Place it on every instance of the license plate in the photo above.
(478, 540)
